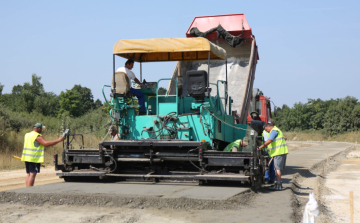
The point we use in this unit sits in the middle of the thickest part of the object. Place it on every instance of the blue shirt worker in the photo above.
(277, 149)
(129, 64)
(270, 173)
(34, 151)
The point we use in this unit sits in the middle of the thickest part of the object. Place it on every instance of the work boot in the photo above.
(276, 186)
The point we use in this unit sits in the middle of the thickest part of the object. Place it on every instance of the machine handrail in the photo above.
(212, 106)
(218, 93)
(104, 94)
(218, 98)
(157, 94)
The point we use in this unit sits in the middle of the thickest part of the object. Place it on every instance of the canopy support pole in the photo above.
(114, 83)
(208, 84)
(140, 71)
(226, 92)
(141, 67)
(226, 75)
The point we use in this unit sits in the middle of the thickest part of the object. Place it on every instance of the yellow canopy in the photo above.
(168, 49)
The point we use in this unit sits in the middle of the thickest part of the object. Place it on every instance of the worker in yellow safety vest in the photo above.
(237, 145)
(33, 152)
(277, 149)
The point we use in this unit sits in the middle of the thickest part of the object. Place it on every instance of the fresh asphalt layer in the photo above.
(279, 203)
(164, 190)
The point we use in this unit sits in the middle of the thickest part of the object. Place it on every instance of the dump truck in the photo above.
(183, 134)
(232, 33)
(260, 108)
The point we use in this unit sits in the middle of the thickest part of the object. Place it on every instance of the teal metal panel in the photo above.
(185, 104)
(167, 105)
(137, 125)
(185, 134)
(152, 102)
(197, 133)
(239, 133)
(219, 127)
(229, 131)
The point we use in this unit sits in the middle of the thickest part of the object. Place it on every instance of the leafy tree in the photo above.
(346, 106)
(98, 103)
(36, 86)
(47, 104)
(106, 108)
(332, 120)
(355, 117)
(17, 89)
(340, 117)
(317, 109)
(162, 91)
(70, 103)
(1, 89)
(87, 97)
(23, 97)
(334, 115)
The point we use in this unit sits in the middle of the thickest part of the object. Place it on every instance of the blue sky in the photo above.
(308, 49)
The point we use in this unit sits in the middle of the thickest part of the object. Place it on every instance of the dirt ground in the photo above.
(340, 172)
(339, 183)
(15, 179)
(331, 185)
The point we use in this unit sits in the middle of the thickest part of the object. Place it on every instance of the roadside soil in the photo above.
(338, 184)
(15, 179)
(331, 186)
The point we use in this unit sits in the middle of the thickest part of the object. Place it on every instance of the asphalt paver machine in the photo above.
(184, 132)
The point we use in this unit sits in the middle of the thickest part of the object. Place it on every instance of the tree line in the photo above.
(333, 116)
(31, 97)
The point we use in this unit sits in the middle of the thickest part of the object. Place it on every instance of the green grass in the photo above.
(353, 137)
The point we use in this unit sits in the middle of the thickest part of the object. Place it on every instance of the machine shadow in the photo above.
(295, 188)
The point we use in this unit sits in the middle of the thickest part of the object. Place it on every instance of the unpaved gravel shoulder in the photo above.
(15, 179)
(312, 180)
(338, 184)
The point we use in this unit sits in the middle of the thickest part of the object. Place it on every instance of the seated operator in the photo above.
(237, 145)
(140, 96)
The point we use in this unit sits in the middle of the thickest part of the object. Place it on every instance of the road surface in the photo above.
(193, 203)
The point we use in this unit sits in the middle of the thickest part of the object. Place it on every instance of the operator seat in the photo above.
(196, 84)
(122, 83)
